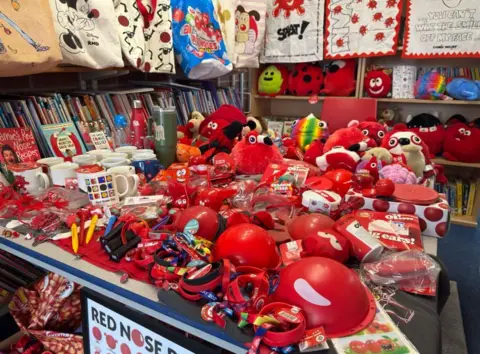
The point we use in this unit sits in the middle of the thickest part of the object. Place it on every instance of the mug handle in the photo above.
(136, 182)
(46, 180)
(126, 183)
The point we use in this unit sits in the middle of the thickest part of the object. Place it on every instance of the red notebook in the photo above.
(339, 111)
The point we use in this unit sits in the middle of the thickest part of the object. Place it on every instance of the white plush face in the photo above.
(398, 141)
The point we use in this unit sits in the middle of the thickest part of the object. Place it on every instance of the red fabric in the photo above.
(94, 254)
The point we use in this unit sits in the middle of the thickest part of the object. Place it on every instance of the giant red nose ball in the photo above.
(307, 224)
(330, 294)
(247, 245)
(207, 218)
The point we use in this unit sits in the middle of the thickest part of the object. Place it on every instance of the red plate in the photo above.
(416, 194)
(319, 183)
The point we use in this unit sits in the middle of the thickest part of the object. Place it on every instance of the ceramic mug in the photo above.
(50, 161)
(36, 180)
(149, 168)
(133, 180)
(102, 188)
(85, 159)
(126, 149)
(100, 154)
(143, 151)
(144, 156)
(62, 171)
(115, 161)
(84, 171)
(123, 155)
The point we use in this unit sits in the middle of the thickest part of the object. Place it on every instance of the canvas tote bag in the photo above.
(87, 32)
(28, 43)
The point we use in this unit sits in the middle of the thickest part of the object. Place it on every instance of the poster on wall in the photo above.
(360, 28)
(442, 28)
(294, 31)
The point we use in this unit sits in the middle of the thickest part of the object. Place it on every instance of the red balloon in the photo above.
(247, 245)
(330, 294)
(342, 180)
(305, 225)
(207, 220)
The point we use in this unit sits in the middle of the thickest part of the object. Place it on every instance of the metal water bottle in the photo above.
(165, 132)
(138, 126)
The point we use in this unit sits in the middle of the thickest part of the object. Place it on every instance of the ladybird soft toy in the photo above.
(378, 83)
(430, 129)
(370, 128)
(340, 78)
(305, 80)
(273, 80)
(462, 143)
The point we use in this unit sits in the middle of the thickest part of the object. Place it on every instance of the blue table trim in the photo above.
(156, 306)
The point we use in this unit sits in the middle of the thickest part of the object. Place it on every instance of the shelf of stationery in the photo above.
(444, 162)
(464, 220)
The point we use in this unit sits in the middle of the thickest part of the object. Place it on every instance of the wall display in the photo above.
(361, 28)
(294, 31)
(442, 28)
(87, 32)
(146, 34)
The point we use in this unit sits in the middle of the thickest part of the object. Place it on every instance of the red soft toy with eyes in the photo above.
(370, 128)
(305, 80)
(220, 119)
(462, 143)
(326, 243)
(378, 84)
(340, 78)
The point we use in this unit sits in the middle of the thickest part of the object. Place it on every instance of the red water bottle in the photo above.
(138, 126)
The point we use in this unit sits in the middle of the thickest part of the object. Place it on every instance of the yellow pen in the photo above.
(74, 238)
(91, 229)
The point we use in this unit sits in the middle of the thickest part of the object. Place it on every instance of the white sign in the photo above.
(361, 28)
(114, 333)
(294, 31)
(99, 140)
(442, 28)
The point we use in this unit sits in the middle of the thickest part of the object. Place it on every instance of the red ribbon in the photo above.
(147, 16)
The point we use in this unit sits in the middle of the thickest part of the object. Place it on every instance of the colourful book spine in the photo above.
(459, 197)
(465, 194)
(471, 197)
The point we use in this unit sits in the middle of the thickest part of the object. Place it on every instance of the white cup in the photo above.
(85, 159)
(84, 171)
(36, 180)
(100, 154)
(63, 171)
(50, 161)
(123, 155)
(126, 149)
(144, 157)
(131, 185)
(114, 162)
(102, 188)
(143, 151)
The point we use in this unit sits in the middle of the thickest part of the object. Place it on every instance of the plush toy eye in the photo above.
(322, 124)
(210, 124)
(416, 140)
(373, 165)
(393, 142)
(468, 132)
(379, 81)
(214, 126)
(372, 82)
(461, 130)
(423, 130)
(433, 129)
(295, 122)
(381, 134)
(179, 173)
(365, 132)
(252, 140)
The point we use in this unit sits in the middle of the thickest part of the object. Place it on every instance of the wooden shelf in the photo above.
(81, 69)
(469, 221)
(445, 162)
(296, 98)
(415, 101)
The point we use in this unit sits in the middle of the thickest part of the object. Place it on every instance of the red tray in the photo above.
(416, 194)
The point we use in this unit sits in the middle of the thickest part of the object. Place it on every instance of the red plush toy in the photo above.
(462, 143)
(338, 158)
(430, 129)
(314, 150)
(378, 83)
(350, 138)
(254, 153)
(370, 128)
(221, 118)
(340, 78)
(305, 80)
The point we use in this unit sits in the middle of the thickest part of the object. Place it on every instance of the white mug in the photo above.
(99, 154)
(37, 181)
(126, 149)
(50, 161)
(63, 171)
(132, 179)
(115, 161)
(102, 188)
(85, 159)
(144, 157)
(84, 171)
(143, 151)
(123, 155)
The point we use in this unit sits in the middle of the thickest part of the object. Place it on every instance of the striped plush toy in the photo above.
(307, 129)
(431, 86)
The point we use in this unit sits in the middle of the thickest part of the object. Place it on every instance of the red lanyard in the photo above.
(147, 16)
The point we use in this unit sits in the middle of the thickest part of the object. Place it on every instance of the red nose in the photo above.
(459, 135)
(243, 27)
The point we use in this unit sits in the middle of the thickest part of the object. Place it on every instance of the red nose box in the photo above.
(434, 218)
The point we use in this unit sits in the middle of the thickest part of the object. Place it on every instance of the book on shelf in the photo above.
(461, 196)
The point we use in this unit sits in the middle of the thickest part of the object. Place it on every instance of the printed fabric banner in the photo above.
(442, 28)
(294, 31)
(360, 28)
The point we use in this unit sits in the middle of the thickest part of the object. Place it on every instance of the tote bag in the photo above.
(145, 30)
(28, 43)
(87, 32)
(225, 10)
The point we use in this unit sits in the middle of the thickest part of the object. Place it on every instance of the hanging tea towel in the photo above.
(198, 41)
(225, 10)
(294, 31)
(145, 30)
(249, 32)
(87, 32)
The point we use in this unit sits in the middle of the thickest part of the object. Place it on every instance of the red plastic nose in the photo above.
(243, 27)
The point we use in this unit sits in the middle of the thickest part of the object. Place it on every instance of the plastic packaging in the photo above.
(412, 271)
(121, 130)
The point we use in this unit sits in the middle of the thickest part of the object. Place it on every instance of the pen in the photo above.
(74, 238)
(91, 229)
